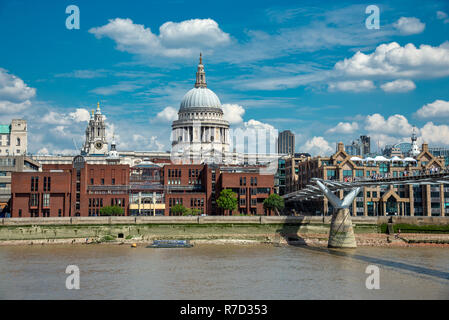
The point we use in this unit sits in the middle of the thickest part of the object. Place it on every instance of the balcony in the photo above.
(111, 189)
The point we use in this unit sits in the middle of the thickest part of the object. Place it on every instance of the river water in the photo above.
(222, 272)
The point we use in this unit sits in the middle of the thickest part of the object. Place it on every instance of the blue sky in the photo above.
(308, 66)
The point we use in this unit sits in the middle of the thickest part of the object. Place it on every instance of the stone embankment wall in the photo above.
(188, 227)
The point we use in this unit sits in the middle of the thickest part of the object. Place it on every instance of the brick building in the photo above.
(82, 189)
(63, 190)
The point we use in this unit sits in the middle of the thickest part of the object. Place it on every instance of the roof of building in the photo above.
(5, 128)
(200, 97)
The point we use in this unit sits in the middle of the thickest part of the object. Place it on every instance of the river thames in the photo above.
(222, 272)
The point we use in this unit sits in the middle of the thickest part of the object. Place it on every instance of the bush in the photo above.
(192, 212)
(111, 211)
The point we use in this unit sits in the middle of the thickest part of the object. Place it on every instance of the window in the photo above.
(34, 200)
(347, 173)
(59, 212)
(18, 142)
(46, 200)
(92, 181)
(244, 181)
(255, 181)
(102, 181)
(113, 181)
(331, 174)
(20, 213)
(359, 173)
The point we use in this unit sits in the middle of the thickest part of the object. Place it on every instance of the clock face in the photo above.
(98, 145)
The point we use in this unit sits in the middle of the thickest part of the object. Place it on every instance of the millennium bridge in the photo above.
(341, 234)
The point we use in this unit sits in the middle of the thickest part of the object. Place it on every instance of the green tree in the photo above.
(274, 202)
(192, 212)
(178, 210)
(227, 200)
(111, 211)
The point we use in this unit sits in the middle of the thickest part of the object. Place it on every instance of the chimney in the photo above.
(341, 146)
(425, 147)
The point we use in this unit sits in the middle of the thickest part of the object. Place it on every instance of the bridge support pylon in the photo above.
(341, 234)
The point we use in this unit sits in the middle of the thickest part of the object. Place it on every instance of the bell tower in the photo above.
(95, 135)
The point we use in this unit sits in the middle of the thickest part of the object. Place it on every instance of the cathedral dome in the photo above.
(200, 98)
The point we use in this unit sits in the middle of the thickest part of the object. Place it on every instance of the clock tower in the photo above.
(95, 135)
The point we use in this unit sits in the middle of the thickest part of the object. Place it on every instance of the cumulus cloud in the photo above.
(344, 127)
(398, 86)
(409, 25)
(80, 115)
(392, 60)
(395, 124)
(233, 113)
(352, 86)
(55, 118)
(317, 146)
(169, 114)
(174, 40)
(435, 134)
(255, 124)
(15, 94)
(438, 108)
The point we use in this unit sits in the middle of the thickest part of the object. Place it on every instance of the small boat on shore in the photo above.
(170, 244)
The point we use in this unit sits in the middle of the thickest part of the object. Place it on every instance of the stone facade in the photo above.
(96, 142)
(13, 138)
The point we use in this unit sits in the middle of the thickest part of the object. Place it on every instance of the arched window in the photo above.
(18, 141)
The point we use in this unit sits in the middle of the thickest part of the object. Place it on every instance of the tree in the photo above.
(274, 202)
(227, 200)
(192, 212)
(111, 211)
(178, 210)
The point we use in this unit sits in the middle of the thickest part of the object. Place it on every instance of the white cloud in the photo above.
(396, 124)
(255, 124)
(12, 107)
(352, 86)
(435, 134)
(174, 40)
(317, 146)
(398, 86)
(80, 115)
(233, 113)
(55, 118)
(116, 88)
(169, 114)
(43, 151)
(14, 93)
(392, 60)
(442, 16)
(409, 25)
(438, 108)
(83, 74)
(344, 127)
